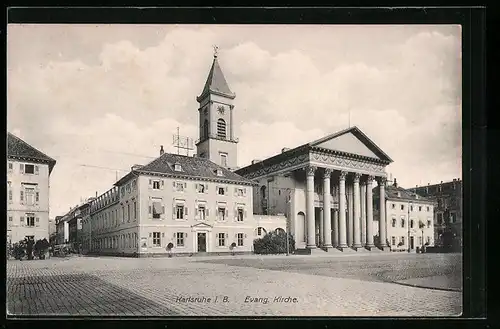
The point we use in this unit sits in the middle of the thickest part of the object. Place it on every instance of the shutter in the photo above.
(22, 196)
(244, 192)
(207, 212)
(162, 184)
(173, 186)
(185, 185)
(150, 183)
(163, 210)
(226, 190)
(245, 236)
(36, 170)
(185, 212)
(21, 168)
(227, 235)
(235, 191)
(196, 211)
(235, 214)
(196, 187)
(236, 235)
(150, 209)
(227, 213)
(206, 188)
(175, 235)
(174, 210)
(245, 214)
(22, 221)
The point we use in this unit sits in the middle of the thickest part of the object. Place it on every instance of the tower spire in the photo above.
(216, 51)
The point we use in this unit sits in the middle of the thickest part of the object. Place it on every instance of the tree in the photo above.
(274, 243)
(40, 248)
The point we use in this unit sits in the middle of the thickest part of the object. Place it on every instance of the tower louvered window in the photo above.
(221, 128)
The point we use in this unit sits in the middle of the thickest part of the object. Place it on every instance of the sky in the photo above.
(101, 98)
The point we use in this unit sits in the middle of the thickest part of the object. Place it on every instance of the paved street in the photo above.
(359, 285)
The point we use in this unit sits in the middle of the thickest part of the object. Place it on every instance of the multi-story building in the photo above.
(409, 218)
(28, 186)
(69, 226)
(448, 212)
(191, 203)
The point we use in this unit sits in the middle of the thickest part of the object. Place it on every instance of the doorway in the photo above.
(202, 242)
(412, 242)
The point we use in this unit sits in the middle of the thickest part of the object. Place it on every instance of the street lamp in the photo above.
(408, 224)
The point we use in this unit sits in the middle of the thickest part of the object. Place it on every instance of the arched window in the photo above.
(280, 231)
(221, 128)
(205, 129)
(263, 192)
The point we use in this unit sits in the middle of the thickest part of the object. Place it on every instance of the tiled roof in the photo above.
(398, 193)
(216, 82)
(17, 148)
(192, 167)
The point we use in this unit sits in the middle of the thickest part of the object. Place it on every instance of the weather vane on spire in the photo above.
(216, 50)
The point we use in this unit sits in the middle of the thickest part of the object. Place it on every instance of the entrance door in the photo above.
(202, 242)
(412, 242)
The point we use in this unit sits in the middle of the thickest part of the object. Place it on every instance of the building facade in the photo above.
(28, 186)
(189, 203)
(324, 188)
(448, 211)
(409, 219)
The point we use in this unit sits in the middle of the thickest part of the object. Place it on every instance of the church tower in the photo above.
(216, 137)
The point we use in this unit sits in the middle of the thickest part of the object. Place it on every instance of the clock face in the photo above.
(221, 109)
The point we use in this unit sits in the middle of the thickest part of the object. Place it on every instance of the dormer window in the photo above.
(177, 167)
(218, 172)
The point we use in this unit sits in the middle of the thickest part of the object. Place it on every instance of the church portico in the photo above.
(330, 202)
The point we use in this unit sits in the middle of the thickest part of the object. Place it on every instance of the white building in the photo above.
(409, 218)
(28, 186)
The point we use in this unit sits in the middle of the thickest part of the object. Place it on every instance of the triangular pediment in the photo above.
(202, 225)
(351, 141)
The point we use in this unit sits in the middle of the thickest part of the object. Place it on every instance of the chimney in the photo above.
(96, 194)
(136, 166)
(441, 182)
(454, 179)
(283, 150)
(255, 161)
(395, 182)
(161, 150)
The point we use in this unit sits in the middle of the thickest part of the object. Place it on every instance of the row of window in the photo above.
(122, 241)
(402, 240)
(131, 186)
(199, 187)
(180, 238)
(452, 218)
(114, 217)
(402, 207)
(25, 168)
(156, 210)
(29, 220)
(412, 223)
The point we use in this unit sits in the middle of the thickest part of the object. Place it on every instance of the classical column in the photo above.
(382, 217)
(311, 225)
(357, 210)
(335, 231)
(363, 212)
(342, 223)
(369, 212)
(327, 214)
(321, 239)
(350, 214)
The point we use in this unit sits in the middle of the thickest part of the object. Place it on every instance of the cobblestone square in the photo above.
(357, 285)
